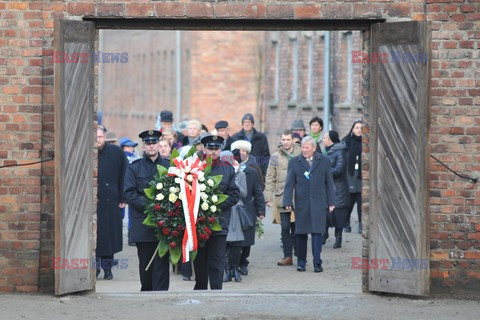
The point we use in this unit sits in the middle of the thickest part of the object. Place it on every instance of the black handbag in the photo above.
(246, 219)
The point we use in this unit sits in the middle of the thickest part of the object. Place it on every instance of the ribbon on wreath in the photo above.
(190, 171)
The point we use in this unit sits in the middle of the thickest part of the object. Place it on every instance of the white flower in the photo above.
(172, 190)
(172, 197)
(201, 176)
(178, 180)
(203, 187)
(180, 196)
(210, 182)
(160, 197)
(213, 208)
(189, 178)
(159, 186)
(204, 206)
(187, 169)
(204, 196)
(177, 190)
(214, 199)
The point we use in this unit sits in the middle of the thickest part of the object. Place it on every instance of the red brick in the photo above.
(255, 10)
(280, 11)
(468, 8)
(229, 10)
(308, 11)
(199, 10)
(169, 9)
(17, 5)
(450, 8)
(472, 255)
(475, 236)
(139, 9)
(81, 8)
(458, 17)
(341, 10)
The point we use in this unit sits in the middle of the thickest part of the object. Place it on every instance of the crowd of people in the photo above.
(312, 181)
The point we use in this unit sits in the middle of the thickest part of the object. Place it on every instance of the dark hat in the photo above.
(298, 125)
(166, 116)
(110, 136)
(248, 116)
(334, 136)
(126, 142)
(150, 135)
(221, 124)
(212, 141)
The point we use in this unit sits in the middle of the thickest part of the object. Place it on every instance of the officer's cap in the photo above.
(212, 141)
(150, 135)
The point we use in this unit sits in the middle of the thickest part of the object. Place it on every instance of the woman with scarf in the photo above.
(336, 152)
(353, 142)
(316, 127)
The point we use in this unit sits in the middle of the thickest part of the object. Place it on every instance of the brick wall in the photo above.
(26, 121)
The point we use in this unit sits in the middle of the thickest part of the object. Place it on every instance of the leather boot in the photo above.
(236, 274)
(338, 239)
(287, 261)
(227, 275)
(348, 228)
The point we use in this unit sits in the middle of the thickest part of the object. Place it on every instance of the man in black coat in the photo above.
(310, 177)
(112, 164)
(139, 173)
(209, 263)
(258, 140)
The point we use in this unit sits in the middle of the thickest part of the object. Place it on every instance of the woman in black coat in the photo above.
(337, 154)
(353, 141)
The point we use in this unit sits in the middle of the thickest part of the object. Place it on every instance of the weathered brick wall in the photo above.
(26, 121)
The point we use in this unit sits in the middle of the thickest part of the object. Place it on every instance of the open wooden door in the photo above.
(74, 163)
(399, 172)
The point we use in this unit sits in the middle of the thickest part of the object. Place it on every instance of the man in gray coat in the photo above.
(310, 176)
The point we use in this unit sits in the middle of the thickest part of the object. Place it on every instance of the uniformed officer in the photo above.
(139, 173)
(209, 263)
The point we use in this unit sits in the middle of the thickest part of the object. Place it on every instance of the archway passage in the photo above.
(66, 236)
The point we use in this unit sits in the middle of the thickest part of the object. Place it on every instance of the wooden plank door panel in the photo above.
(74, 163)
(399, 171)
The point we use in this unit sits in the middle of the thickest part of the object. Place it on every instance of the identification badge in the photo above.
(307, 175)
(356, 166)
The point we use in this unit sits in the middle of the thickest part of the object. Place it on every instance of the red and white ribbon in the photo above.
(189, 170)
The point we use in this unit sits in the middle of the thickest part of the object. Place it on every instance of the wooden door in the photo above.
(74, 163)
(399, 176)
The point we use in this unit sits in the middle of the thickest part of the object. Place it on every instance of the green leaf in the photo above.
(221, 198)
(216, 226)
(162, 171)
(208, 168)
(193, 255)
(173, 156)
(190, 152)
(150, 193)
(175, 254)
(217, 179)
(148, 221)
(163, 248)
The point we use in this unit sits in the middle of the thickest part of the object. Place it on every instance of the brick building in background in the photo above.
(27, 202)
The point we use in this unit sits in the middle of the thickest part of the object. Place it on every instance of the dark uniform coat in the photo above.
(112, 164)
(337, 155)
(139, 174)
(260, 148)
(313, 196)
(254, 203)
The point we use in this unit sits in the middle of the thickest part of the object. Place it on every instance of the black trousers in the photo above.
(288, 233)
(157, 277)
(210, 264)
(243, 257)
(301, 247)
(105, 262)
(355, 198)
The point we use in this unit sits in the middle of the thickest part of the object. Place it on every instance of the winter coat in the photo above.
(276, 177)
(313, 195)
(338, 158)
(260, 148)
(139, 173)
(112, 164)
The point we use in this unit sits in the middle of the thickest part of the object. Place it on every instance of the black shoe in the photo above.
(236, 275)
(227, 277)
(360, 227)
(108, 275)
(243, 271)
(325, 237)
(347, 229)
(338, 243)
(301, 268)
(317, 268)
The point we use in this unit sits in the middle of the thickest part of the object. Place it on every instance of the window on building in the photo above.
(309, 70)
(349, 67)
(294, 93)
(276, 81)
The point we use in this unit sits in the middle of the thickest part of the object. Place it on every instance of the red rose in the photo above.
(203, 236)
(170, 213)
(157, 207)
(180, 227)
(206, 229)
(211, 219)
(177, 204)
(209, 232)
(173, 244)
(165, 231)
(175, 233)
(160, 224)
(201, 219)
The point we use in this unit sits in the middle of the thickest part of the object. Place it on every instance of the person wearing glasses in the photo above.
(139, 173)
(209, 263)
